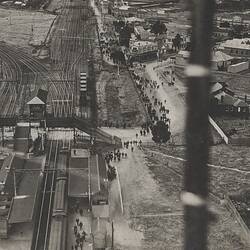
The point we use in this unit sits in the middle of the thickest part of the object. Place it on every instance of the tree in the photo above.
(158, 28)
(177, 42)
(125, 35)
(160, 132)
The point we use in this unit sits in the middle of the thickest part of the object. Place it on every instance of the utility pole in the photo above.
(10, 18)
(1, 68)
(195, 193)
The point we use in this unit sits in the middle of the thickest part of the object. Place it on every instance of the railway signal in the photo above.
(83, 89)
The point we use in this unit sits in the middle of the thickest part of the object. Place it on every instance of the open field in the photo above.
(24, 28)
(118, 101)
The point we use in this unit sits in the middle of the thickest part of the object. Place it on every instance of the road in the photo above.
(175, 104)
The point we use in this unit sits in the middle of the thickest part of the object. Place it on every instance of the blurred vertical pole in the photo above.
(196, 172)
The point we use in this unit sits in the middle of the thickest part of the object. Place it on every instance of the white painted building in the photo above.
(239, 48)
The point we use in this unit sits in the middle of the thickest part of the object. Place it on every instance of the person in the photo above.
(132, 149)
(75, 230)
(77, 221)
(141, 132)
(136, 135)
(84, 236)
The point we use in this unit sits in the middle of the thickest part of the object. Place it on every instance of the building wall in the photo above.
(237, 52)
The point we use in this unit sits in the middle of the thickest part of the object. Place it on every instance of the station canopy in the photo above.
(22, 209)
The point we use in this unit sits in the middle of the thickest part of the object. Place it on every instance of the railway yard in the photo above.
(79, 169)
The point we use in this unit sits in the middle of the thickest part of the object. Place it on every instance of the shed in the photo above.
(37, 105)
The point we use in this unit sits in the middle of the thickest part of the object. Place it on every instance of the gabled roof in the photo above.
(230, 100)
(240, 103)
(220, 56)
(35, 100)
(40, 98)
(215, 87)
(42, 95)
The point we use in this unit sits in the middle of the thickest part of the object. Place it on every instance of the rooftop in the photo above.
(237, 43)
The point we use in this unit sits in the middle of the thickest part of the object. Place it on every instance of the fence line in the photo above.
(245, 232)
(218, 129)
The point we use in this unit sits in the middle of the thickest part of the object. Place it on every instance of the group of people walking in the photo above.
(156, 109)
(79, 234)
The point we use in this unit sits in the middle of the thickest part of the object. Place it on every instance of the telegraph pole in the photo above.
(195, 193)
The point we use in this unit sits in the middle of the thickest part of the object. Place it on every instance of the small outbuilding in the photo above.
(37, 105)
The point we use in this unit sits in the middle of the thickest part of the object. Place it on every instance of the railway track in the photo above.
(48, 80)
(41, 235)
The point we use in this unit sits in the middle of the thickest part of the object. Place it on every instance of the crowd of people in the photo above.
(156, 108)
(78, 229)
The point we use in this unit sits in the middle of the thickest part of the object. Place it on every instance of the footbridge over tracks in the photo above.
(85, 126)
(70, 122)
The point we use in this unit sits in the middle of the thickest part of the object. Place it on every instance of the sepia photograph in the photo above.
(124, 124)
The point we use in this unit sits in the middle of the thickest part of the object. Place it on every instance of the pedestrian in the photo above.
(132, 149)
(75, 230)
(77, 221)
(141, 132)
(136, 135)
(125, 154)
(84, 235)
(144, 132)
(122, 154)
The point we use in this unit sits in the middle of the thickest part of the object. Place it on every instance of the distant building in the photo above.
(142, 51)
(223, 101)
(220, 60)
(37, 105)
(143, 34)
(220, 34)
(239, 48)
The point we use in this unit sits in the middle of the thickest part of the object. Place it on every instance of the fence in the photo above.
(245, 232)
(218, 129)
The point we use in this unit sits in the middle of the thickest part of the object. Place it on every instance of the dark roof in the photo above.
(78, 174)
(22, 132)
(78, 182)
(42, 95)
(39, 98)
(22, 209)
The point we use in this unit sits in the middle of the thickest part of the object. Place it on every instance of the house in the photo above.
(142, 51)
(221, 33)
(223, 101)
(220, 60)
(142, 34)
(239, 48)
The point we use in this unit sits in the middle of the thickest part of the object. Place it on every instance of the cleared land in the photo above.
(118, 101)
(151, 185)
(24, 28)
